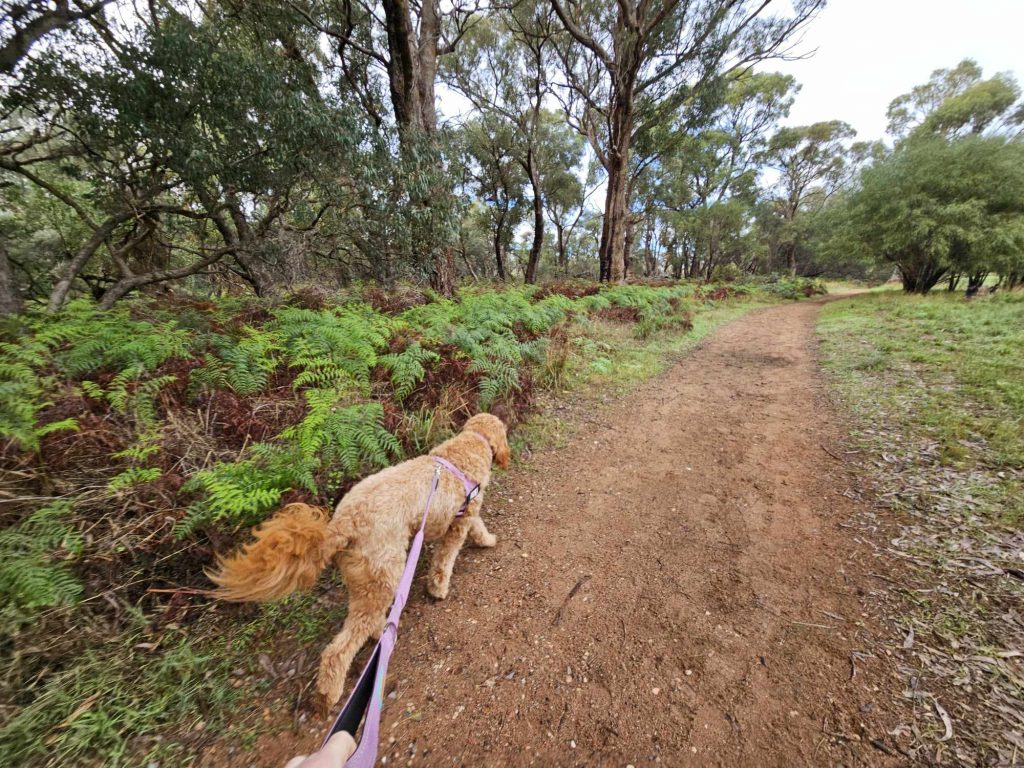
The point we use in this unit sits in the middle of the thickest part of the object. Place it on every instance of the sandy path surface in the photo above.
(674, 587)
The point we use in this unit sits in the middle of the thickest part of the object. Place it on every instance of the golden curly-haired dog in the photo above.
(368, 537)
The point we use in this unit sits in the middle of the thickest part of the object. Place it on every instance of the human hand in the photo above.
(335, 752)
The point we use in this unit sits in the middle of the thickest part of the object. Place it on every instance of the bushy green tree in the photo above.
(175, 144)
(936, 205)
(948, 199)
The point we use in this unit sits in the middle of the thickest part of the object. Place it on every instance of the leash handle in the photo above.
(368, 695)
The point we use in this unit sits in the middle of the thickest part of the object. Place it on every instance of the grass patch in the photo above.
(954, 369)
(934, 387)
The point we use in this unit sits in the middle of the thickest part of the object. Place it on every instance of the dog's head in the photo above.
(493, 429)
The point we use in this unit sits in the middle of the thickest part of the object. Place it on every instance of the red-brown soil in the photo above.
(674, 587)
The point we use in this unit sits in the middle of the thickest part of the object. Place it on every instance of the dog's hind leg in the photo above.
(479, 536)
(370, 594)
(445, 552)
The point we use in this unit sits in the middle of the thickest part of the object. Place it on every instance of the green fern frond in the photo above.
(132, 477)
(241, 493)
(407, 367)
(34, 573)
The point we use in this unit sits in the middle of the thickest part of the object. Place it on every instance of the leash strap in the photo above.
(472, 488)
(368, 694)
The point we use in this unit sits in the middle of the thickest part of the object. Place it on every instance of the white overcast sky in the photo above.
(870, 51)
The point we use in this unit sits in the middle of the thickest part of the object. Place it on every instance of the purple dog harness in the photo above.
(368, 695)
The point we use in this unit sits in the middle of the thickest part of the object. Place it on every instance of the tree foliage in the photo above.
(948, 199)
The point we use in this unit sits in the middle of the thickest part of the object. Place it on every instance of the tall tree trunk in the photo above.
(499, 249)
(443, 278)
(538, 218)
(412, 68)
(649, 265)
(627, 247)
(563, 261)
(616, 208)
(604, 266)
(672, 260)
(10, 300)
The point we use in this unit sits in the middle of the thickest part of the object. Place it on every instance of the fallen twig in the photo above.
(819, 626)
(572, 592)
(830, 453)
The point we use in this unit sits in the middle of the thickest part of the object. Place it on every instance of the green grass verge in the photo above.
(934, 390)
(939, 367)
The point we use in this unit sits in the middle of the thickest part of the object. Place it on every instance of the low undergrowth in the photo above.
(935, 389)
(136, 443)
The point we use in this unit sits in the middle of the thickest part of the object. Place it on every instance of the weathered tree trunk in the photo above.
(538, 218)
(10, 300)
(791, 259)
(627, 247)
(443, 279)
(616, 209)
(604, 266)
(563, 261)
(499, 248)
(672, 260)
(62, 288)
(412, 68)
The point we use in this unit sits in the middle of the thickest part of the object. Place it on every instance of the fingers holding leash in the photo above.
(335, 752)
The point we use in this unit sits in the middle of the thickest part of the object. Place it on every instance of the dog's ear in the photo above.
(493, 429)
(502, 454)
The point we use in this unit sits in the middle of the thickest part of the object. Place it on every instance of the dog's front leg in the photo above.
(479, 536)
(445, 552)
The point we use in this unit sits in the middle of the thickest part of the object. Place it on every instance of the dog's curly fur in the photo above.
(368, 538)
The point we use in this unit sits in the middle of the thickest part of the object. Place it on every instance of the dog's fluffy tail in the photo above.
(290, 551)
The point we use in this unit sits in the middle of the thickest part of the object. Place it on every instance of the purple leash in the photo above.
(368, 695)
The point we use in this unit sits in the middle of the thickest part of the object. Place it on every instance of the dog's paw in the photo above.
(436, 589)
(487, 541)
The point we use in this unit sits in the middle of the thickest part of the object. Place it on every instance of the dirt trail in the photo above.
(674, 587)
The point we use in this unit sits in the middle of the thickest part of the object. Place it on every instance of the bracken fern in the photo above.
(32, 573)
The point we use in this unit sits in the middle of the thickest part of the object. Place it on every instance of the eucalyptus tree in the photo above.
(811, 163)
(499, 181)
(629, 65)
(718, 165)
(402, 44)
(957, 102)
(565, 188)
(501, 67)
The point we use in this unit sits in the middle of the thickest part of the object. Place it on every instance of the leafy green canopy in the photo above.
(938, 205)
